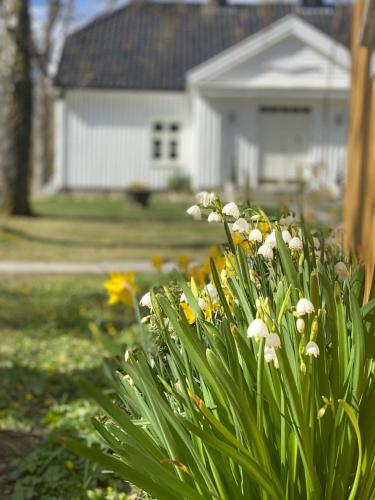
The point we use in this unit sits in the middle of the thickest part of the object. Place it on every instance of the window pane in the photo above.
(158, 127)
(174, 127)
(173, 150)
(156, 149)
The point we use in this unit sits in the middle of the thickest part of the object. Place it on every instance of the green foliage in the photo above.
(45, 347)
(179, 183)
(218, 415)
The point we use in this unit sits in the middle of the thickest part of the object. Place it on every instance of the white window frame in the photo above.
(166, 136)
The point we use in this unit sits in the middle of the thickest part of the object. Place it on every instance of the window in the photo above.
(165, 141)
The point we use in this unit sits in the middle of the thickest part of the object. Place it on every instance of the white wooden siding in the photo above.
(104, 138)
(228, 135)
(289, 64)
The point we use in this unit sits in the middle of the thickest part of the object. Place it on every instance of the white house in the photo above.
(256, 92)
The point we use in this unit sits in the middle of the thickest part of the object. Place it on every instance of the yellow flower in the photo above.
(29, 396)
(189, 315)
(214, 251)
(237, 238)
(111, 330)
(198, 274)
(69, 464)
(183, 262)
(157, 262)
(51, 369)
(264, 227)
(121, 288)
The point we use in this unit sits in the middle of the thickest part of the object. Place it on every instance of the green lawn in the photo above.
(45, 347)
(90, 229)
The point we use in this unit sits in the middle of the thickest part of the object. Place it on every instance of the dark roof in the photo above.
(152, 45)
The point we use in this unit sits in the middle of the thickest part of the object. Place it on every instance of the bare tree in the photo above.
(15, 106)
(53, 30)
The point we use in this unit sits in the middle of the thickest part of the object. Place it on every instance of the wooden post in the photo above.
(359, 211)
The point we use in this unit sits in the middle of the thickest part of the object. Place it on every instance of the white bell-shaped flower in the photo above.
(232, 210)
(146, 300)
(273, 340)
(195, 212)
(271, 240)
(214, 217)
(212, 292)
(255, 236)
(201, 303)
(341, 271)
(286, 236)
(295, 244)
(304, 306)
(270, 355)
(265, 251)
(257, 329)
(241, 225)
(312, 349)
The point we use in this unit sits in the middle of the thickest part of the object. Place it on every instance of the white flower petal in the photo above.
(232, 210)
(257, 329)
(266, 251)
(214, 217)
(146, 300)
(195, 212)
(312, 349)
(295, 244)
(304, 306)
(241, 225)
(255, 236)
(341, 271)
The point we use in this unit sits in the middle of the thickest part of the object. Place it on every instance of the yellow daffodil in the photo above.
(187, 310)
(121, 288)
(263, 227)
(157, 262)
(199, 275)
(183, 262)
(214, 251)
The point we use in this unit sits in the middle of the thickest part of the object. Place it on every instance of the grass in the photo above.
(90, 229)
(45, 346)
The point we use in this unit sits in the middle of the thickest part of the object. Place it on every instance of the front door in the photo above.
(284, 134)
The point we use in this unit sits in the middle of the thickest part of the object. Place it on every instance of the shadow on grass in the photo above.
(195, 245)
(27, 393)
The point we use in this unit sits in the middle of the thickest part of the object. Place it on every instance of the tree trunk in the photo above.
(15, 107)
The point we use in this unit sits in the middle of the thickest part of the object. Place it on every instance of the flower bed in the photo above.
(253, 376)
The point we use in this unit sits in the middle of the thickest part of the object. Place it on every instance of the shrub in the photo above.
(179, 183)
(265, 385)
